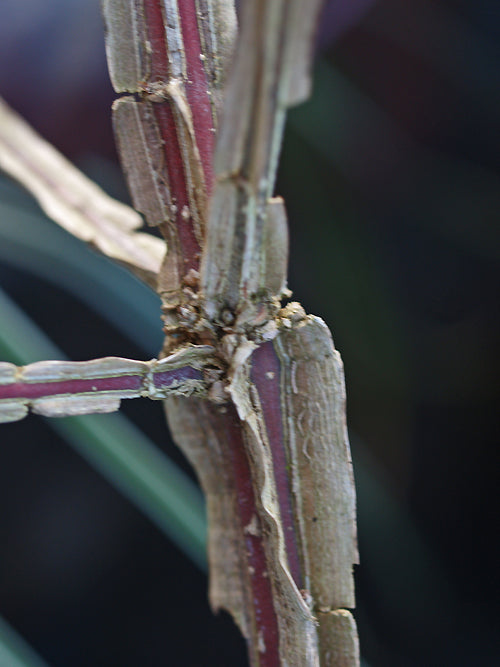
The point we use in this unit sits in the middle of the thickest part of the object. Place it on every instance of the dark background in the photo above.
(390, 174)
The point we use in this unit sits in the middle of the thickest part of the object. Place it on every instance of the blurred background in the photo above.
(390, 175)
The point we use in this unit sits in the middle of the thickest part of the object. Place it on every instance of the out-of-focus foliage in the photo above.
(14, 652)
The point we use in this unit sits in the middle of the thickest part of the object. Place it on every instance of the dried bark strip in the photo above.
(262, 83)
(74, 201)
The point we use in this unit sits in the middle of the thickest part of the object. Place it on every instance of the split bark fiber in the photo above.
(270, 444)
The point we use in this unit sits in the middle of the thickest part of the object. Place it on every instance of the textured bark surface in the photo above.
(212, 439)
(165, 133)
(272, 452)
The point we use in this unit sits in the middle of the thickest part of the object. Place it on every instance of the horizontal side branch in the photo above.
(61, 388)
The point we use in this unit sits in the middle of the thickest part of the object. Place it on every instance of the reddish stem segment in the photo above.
(165, 379)
(121, 383)
(189, 246)
(266, 376)
(199, 102)
(266, 623)
(90, 386)
(197, 90)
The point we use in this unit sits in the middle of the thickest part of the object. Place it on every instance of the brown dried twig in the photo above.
(266, 431)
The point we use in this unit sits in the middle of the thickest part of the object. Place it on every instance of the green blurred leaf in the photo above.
(14, 651)
(32, 242)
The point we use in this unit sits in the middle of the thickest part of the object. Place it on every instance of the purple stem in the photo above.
(266, 376)
(163, 380)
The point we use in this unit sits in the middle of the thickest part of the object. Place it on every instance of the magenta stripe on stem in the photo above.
(197, 89)
(266, 376)
(261, 587)
(190, 247)
(168, 378)
(32, 390)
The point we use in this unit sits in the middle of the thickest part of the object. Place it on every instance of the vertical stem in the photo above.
(177, 58)
(272, 454)
(261, 607)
